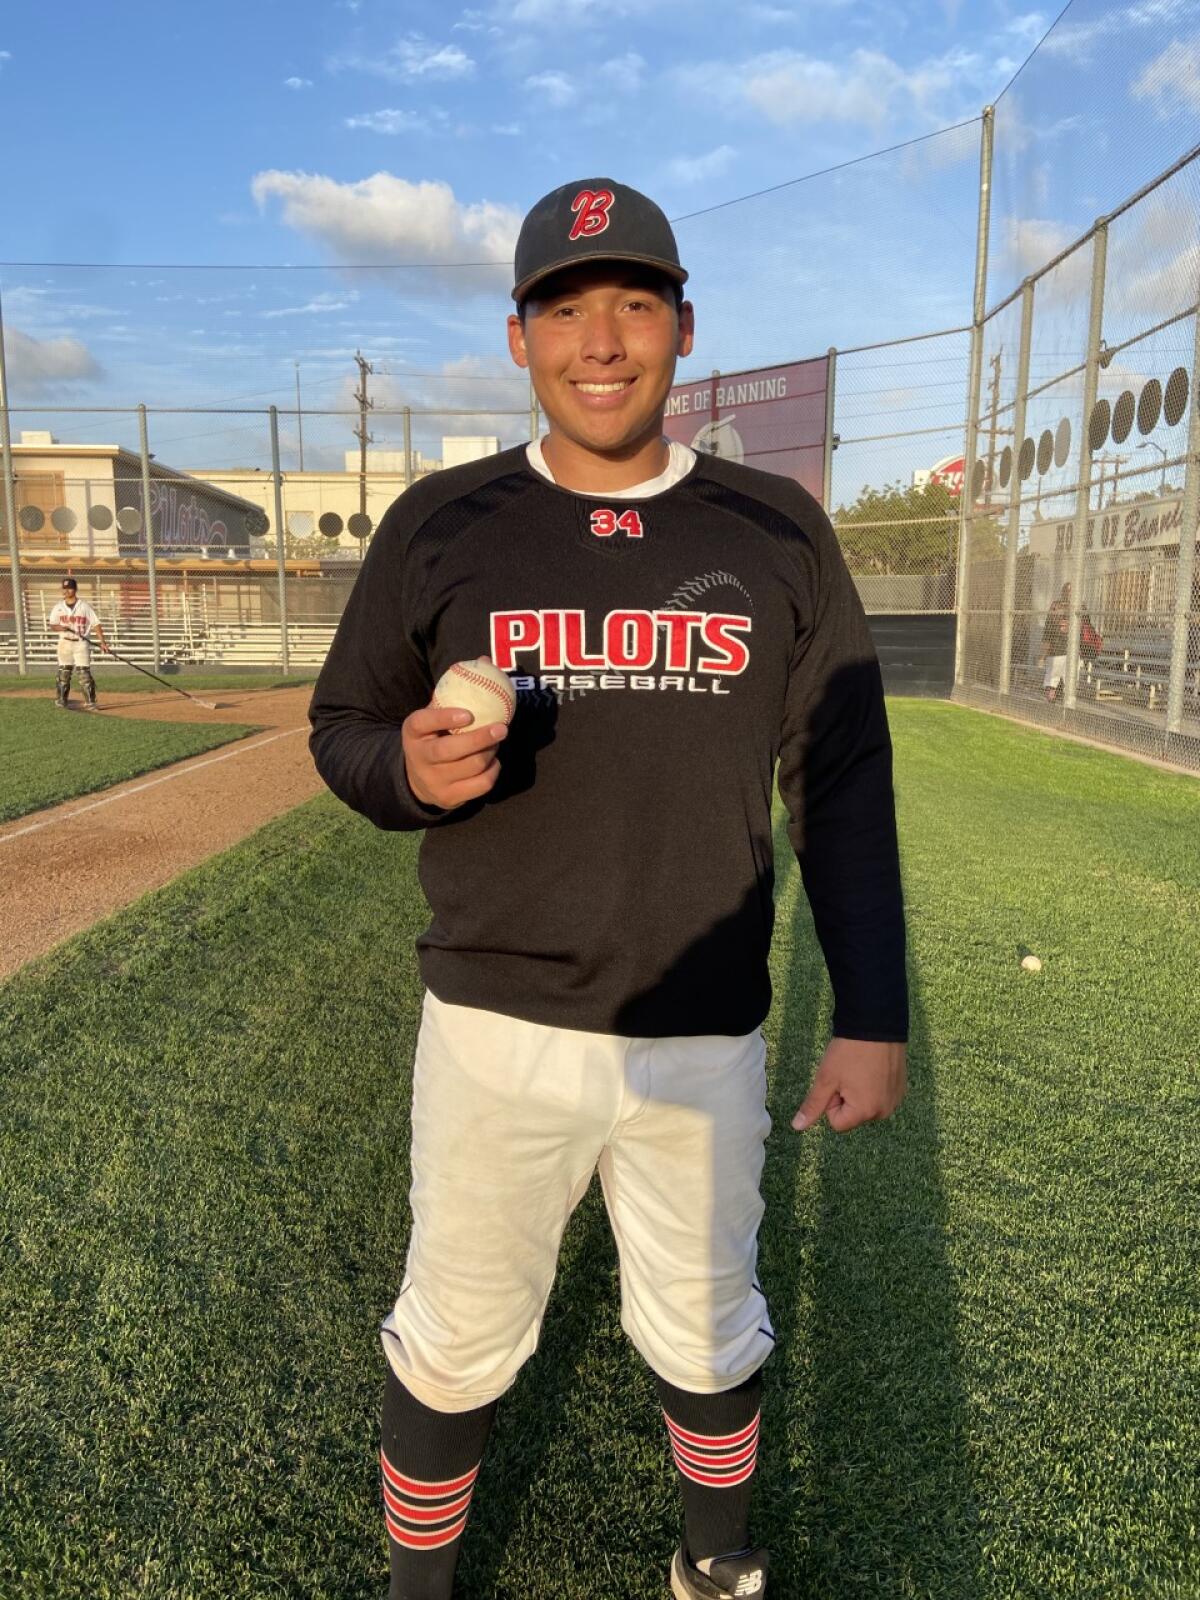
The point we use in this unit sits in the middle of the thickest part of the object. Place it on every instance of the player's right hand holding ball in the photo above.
(450, 752)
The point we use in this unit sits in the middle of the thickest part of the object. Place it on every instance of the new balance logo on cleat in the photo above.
(724, 1578)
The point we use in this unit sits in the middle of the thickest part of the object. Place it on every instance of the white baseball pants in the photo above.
(510, 1120)
(74, 652)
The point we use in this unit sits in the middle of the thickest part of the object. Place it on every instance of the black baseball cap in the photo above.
(69, 583)
(593, 219)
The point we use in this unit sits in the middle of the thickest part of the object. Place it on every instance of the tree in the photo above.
(910, 530)
(301, 547)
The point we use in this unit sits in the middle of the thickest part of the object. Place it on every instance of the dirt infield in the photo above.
(67, 867)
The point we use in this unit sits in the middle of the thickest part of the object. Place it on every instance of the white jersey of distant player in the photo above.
(81, 619)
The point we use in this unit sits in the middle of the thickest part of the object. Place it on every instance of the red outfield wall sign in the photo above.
(773, 418)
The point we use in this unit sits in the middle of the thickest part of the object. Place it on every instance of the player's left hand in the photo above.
(858, 1080)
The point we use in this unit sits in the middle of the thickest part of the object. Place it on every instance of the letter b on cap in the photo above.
(591, 208)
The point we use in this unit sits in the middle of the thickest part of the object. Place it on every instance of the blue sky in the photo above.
(328, 132)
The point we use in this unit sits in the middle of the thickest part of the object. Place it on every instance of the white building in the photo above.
(83, 501)
(331, 503)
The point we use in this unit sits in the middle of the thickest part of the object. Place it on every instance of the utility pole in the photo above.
(299, 417)
(993, 428)
(1116, 461)
(365, 370)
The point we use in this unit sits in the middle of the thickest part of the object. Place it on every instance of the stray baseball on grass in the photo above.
(1032, 963)
(480, 688)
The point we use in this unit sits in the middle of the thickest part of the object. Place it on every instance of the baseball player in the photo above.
(678, 629)
(77, 625)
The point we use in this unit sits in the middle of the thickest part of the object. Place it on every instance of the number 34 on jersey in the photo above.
(606, 522)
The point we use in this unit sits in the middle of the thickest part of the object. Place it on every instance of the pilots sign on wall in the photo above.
(773, 418)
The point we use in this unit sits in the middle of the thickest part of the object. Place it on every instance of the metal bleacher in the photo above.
(183, 641)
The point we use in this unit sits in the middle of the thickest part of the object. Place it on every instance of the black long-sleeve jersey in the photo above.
(669, 653)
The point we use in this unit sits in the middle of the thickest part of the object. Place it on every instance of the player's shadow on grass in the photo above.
(865, 1480)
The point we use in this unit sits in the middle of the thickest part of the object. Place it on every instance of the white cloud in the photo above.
(699, 169)
(1172, 78)
(1153, 259)
(1027, 243)
(476, 22)
(1158, 290)
(1152, 265)
(411, 60)
(559, 13)
(509, 130)
(625, 73)
(1029, 28)
(45, 309)
(868, 87)
(37, 366)
(557, 87)
(385, 219)
(1077, 41)
(318, 304)
(388, 120)
(297, 83)
(797, 88)
(5, 55)
(1016, 131)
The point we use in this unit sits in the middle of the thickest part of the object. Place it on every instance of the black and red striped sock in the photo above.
(428, 1463)
(714, 1439)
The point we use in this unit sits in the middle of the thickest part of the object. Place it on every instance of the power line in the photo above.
(824, 172)
(444, 266)
(258, 266)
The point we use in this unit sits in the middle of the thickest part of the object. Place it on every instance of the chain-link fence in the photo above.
(1080, 602)
(975, 462)
(204, 578)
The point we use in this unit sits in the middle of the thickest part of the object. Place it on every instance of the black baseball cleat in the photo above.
(730, 1577)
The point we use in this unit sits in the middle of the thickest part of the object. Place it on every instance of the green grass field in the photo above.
(114, 679)
(47, 755)
(988, 1369)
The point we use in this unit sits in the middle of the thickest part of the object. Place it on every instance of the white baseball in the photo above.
(480, 688)
(1032, 964)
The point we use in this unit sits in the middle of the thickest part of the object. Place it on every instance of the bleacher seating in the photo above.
(183, 642)
(1136, 668)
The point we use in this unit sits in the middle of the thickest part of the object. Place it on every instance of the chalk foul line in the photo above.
(150, 783)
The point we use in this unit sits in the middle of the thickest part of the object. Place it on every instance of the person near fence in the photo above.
(1056, 633)
(600, 875)
(76, 624)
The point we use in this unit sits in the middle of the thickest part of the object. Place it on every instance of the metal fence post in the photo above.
(10, 511)
(280, 538)
(408, 457)
(1083, 492)
(830, 435)
(1014, 490)
(1186, 569)
(148, 526)
(979, 309)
